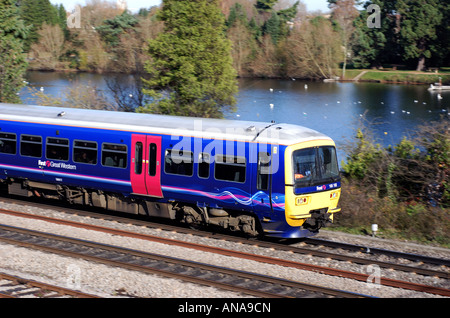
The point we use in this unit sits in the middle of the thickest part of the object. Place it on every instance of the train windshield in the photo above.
(315, 166)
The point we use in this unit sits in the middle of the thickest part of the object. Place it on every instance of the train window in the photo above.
(305, 165)
(57, 149)
(114, 155)
(153, 160)
(263, 171)
(328, 162)
(203, 165)
(230, 168)
(8, 143)
(315, 166)
(179, 162)
(31, 146)
(85, 152)
(138, 156)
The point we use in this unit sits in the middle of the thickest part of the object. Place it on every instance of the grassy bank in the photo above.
(399, 76)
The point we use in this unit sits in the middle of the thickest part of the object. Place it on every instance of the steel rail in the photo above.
(379, 251)
(40, 285)
(146, 269)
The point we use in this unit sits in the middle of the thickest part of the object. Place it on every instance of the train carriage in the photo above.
(260, 178)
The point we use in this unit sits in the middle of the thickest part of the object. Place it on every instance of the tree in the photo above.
(290, 13)
(273, 27)
(12, 60)
(34, 13)
(111, 29)
(190, 70)
(236, 13)
(368, 43)
(267, 60)
(242, 38)
(313, 50)
(62, 20)
(345, 13)
(265, 5)
(375, 46)
(441, 54)
(418, 28)
(49, 49)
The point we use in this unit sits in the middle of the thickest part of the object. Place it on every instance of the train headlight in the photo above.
(301, 200)
(334, 195)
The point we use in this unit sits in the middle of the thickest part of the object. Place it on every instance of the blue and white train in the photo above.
(268, 179)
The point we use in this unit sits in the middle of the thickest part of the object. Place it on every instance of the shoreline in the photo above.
(397, 77)
(355, 76)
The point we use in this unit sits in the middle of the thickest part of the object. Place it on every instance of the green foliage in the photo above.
(406, 149)
(435, 139)
(368, 43)
(289, 13)
(418, 27)
(35, 13)
(265, 5)
(415, 170)
(111, 29)
(237, 13)
(403, 220)
(273, 27)
(62, 20)
(190, 70)
(274, 22)
(12, 60)
(362, 157)
(412, 32)
(410, 196)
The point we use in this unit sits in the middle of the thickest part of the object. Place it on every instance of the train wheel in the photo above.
(192, 218)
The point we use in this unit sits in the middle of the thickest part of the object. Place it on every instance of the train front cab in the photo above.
(312, 188)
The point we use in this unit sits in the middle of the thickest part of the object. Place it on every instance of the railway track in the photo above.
(379, 251)
(18, 287)
(415, 259)
(194, 272)
(328, 271)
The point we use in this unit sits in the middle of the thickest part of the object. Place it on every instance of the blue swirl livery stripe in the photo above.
(230, 195)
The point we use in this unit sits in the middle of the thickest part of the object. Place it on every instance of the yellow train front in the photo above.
(306, 187)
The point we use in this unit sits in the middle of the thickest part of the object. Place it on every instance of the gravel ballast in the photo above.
(107, 281)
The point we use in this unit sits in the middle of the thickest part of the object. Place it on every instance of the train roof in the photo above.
(271, 133)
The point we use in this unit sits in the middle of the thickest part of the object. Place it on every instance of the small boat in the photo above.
(438, 87)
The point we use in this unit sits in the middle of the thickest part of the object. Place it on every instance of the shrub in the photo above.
(405, 190)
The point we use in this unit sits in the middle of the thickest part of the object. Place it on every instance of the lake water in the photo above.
(334, 109)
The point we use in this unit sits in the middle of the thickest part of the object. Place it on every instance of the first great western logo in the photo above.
(53, 164)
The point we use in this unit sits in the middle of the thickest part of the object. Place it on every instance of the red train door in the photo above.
(145, 172)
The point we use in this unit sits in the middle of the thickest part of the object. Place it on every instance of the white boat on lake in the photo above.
(438, 87)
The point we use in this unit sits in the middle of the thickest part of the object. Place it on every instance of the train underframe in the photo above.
(192, 215)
